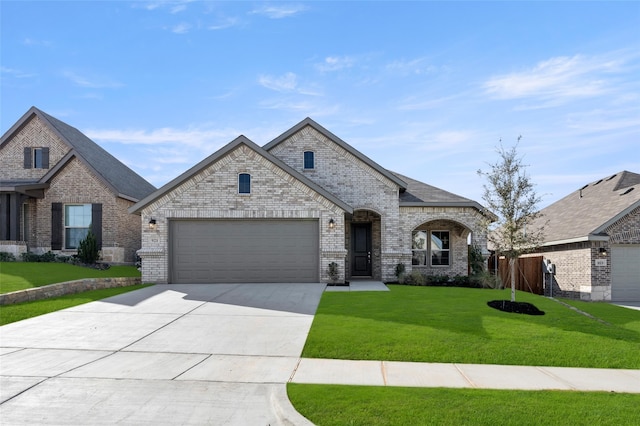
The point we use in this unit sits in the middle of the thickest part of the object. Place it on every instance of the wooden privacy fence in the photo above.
(529, 276)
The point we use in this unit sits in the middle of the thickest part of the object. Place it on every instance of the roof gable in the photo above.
(335, 139)
(222, 152)
(587, 212)
(121, 179)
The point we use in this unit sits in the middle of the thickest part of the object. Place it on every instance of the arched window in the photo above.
(244, 183)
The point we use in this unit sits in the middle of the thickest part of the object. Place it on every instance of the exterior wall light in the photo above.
(152, 224)
(603, 251)
(332, 223)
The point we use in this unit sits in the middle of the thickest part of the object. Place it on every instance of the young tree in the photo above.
(510, 194)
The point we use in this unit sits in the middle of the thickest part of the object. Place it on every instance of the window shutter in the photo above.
(56, 226)
(96, 222)
(45, 158)
(27, 158)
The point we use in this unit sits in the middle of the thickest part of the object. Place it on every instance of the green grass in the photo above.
(20, 311)
(327, 405)
(22, 275)
(436, 324)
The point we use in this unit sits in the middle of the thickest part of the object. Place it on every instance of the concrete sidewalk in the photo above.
(415, 374)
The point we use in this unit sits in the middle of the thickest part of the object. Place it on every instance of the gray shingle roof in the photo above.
(124, 181)
(421, 194)
(587, 212)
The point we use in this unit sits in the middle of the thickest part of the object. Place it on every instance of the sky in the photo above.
(427, 89)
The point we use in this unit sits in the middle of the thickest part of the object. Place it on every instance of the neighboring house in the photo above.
(285, 211)
(56, 184)
(593, 238)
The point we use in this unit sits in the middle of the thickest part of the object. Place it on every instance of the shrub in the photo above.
(88, 251)
(414, 278)
(7, 257)
(476, 260)
(332, 271)
(487, 280)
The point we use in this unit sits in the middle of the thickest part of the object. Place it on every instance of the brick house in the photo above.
(56, 184)
(285, 211)
(592, 236)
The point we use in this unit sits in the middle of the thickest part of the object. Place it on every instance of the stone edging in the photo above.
(69, 287)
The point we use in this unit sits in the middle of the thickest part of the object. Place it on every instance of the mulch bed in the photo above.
(515, 307)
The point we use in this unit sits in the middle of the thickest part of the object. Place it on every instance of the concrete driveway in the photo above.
(216, 354)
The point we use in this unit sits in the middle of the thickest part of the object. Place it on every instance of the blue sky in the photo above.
(427, 89)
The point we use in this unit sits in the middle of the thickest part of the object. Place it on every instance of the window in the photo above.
(309, 161)
(419, 248)
(77, 221)
(244, 183)
(36, 158)
(440, 248)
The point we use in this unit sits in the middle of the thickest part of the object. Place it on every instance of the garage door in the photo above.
(233, 251)
(625, 273)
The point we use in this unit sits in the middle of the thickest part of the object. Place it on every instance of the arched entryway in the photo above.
(363, 243)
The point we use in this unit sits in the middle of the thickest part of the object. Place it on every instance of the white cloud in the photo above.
(181, 28)
(285, 83)
(280, 11)
(557, 79)
(16, 73)
(93, 82)
(224, 23)
(336, 63)
(33, 42)
(200, 138)
(416, 66)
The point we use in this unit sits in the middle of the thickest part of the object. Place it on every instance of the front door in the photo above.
(361, 249)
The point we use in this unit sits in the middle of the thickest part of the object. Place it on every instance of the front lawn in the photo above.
(329, 405)
(22, 275)
(20, 311)
(455, 325)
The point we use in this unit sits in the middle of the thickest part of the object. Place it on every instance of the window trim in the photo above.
(304, 160)
(241, 185)
(448, 250)
(65, 227)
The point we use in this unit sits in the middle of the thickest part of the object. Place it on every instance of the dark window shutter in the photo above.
(45, 158)
(27, 158)
(56, 226)
(96, 222)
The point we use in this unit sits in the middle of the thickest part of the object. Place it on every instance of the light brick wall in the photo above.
(35, 134)
(356, 183)
(213, 193)
(459, 221)
(577, 274)
(76, 184)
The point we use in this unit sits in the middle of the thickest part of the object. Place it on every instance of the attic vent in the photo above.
(608, 179)
(597, 182)
(627, 191)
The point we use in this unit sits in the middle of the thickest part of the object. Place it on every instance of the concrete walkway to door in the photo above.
(167, 354)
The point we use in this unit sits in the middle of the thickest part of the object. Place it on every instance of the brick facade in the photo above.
(583, 270)
(74, 183)
(211, 192)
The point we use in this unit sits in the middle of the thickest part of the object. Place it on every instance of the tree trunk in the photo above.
(512, 271)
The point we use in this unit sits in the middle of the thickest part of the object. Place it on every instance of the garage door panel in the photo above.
(625, 273)
(244, 251)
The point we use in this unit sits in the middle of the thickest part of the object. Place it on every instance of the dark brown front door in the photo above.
(361, 249)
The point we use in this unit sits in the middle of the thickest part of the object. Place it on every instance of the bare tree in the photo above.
(510, 194)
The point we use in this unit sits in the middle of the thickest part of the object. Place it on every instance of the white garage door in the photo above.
(625, 273)
(244, 251)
